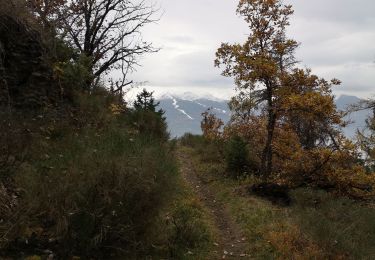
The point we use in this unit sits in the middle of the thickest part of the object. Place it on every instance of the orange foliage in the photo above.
(286, 114)
(291, 243)
(211, 126)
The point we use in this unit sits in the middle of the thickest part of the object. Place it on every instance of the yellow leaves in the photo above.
(58, 70)
(291, 243)
(116, 109)
(211, 126)
(311, 102)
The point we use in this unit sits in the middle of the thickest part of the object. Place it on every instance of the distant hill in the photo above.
(184, 112)
(357, 119)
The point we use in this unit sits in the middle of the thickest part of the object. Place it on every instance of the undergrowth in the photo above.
(317, 224)
(87, 182)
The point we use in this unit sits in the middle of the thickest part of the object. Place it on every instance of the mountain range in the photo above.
(184, 112)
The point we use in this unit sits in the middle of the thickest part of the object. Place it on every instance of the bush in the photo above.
(209, 150)
(96, 193)
(85, 182)
(80, 174)
(236, 156)
(192, 140)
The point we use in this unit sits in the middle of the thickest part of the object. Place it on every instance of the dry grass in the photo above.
(291, 243)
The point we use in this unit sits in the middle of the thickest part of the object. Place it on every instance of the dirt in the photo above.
(231, 242)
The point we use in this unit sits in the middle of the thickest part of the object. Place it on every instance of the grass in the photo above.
(191, 232)
(317, 225)
(342, 226)
(97, 188)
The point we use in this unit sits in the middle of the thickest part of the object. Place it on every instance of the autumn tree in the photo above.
(259, 64)
(297, 106)
(366, 137)
(211, 125)
(306, 104)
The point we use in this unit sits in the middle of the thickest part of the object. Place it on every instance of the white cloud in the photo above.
(337, 38)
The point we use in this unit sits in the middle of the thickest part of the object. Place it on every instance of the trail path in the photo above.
(231, 242)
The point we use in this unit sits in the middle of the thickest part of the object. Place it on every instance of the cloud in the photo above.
(337, 41)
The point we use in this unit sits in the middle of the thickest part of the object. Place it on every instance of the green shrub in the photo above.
(209, 151)
(236, 156)
(96, 193)
(192, 140)
(83, 178)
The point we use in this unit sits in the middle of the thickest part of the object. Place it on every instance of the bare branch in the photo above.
(109, 32)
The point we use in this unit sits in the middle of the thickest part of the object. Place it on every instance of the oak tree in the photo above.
(259, 64)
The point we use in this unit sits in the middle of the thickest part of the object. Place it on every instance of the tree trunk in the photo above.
(266, 166)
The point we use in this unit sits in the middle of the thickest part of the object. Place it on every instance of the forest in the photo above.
(87, 174)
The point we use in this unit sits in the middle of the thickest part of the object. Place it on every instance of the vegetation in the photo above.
(82, 173)
(316, 225)
(105, 31)
(236, 156)
(286, 114)
(85, 175)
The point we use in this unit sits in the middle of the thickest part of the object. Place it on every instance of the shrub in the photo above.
(236, 156)
(96, 193)
(83, 182)
(192, 140)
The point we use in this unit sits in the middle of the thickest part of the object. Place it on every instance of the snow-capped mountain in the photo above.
(184, 112)
(357, 120)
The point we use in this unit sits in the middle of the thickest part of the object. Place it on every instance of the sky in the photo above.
(337, 40)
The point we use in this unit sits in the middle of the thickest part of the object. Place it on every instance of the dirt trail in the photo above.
(231, 242)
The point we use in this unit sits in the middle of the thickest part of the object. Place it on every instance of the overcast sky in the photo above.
(337, 41)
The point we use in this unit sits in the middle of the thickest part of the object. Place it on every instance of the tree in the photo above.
(236, 156)
(148, 118)
(145, 101)
(211, 125)
(259, 64)
(306, 105)
(366, 137)
(47, 12)
(106, 31)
